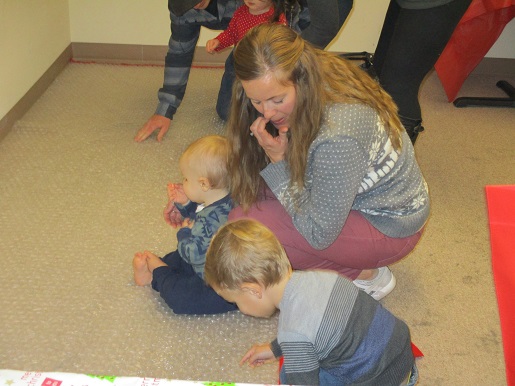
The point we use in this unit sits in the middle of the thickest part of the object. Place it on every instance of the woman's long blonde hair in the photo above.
(319, 78)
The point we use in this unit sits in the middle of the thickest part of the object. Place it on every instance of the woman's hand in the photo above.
(258, 355)
(274, 147)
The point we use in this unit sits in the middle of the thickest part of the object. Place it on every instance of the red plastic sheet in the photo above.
(475, 34)
(501, 216)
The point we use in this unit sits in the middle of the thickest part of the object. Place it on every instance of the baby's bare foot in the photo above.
(142, 275)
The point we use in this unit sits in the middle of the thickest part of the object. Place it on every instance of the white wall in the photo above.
(504, 47)
(33, 33)
(147, 22)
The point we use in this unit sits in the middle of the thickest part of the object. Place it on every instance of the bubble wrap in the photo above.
(78, 197)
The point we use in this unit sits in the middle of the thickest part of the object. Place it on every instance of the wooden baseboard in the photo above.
(139, 54)
(146, 54)
(26, 102)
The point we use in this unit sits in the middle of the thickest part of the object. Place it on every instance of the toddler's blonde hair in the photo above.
(245, 251)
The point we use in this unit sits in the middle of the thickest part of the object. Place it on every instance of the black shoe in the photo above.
(413, 132)
(413, 127)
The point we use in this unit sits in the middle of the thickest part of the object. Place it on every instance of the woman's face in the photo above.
(271, 98)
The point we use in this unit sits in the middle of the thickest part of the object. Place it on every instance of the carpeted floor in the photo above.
(78, 197)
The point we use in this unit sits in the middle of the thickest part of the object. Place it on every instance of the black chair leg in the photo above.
(367, 59)
(490, 102)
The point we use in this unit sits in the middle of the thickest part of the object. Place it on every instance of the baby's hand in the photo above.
(176, 194)
(170, 189)
(172, 215)
(188, 223)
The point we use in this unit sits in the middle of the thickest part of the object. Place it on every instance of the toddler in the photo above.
(252, 13)
(329, 332)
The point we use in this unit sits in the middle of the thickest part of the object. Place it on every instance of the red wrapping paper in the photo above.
(475, 34)
(501, 217)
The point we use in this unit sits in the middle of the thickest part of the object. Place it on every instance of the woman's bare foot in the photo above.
(142, 275)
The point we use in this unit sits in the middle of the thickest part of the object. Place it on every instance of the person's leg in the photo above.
(359, 247)
(223, 102)
(417, 40)
(387, 30)
(344, 8)
(173, 260)
(184, 291)
(320, 21)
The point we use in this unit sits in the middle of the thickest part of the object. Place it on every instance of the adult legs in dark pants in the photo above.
(410, 43)
(223, 102)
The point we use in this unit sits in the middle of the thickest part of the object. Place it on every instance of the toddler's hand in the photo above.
(258, 355)
(212, 45)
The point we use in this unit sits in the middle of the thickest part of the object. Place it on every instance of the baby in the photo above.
(203, 203)
(252, 13)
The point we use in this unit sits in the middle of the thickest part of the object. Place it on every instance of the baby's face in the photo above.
(257, 7)
(192, 182)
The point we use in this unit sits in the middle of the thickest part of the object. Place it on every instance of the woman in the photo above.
(320, 157)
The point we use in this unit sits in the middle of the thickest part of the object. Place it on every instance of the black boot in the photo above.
(413, 127)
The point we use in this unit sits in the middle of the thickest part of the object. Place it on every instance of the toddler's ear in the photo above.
(253, 289)
(204, 184)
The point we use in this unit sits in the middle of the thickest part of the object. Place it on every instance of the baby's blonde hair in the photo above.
(209, 156)
(245, 251)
